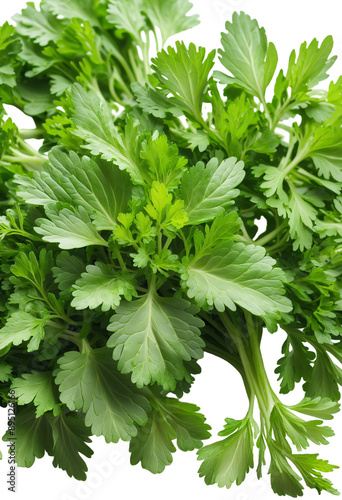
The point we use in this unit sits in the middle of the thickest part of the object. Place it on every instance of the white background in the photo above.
(218, 390)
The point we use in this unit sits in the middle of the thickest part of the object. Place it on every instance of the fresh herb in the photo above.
(128, 242)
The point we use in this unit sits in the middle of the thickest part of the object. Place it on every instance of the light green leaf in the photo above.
(170, 16)
(39, 388)
(22, 326)
(311, 467)
(311, 66)
(207, 189)
(317, 407)
(168, 213)
(223, 228)
(94, 123)
(301, 216)
(126, 15)
(326, 150)
(237, 274)
(153, 337)
(184, 72)
(162, 161)
(7, 75)
(247, 55)
(229, 460)
(38, 25)
(329, 226)
(99, 187)
(69, 227)
(101, 286)
(90, 382)
(73, 9)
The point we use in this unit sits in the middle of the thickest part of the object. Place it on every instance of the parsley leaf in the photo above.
(153, 337)
(90, 382)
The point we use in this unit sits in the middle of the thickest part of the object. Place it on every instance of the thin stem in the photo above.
(167, 243)
(270, 236)
(246, 236)
(119, 257)
(267, 113)
(278, 245)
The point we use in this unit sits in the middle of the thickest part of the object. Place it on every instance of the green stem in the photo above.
(277, 246)
(167, 243)
(254, 341)
(29, 149)
(280, 111)
(267, 113)
(253, 364)
(70, 338)
(245, 234)
(119, 257)
(31, 133)
(270, 236)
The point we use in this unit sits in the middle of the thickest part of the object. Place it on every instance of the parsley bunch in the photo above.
(128, 242)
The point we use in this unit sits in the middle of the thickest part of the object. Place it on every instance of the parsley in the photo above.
(128, 243)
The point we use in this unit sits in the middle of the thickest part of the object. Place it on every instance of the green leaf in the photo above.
(247, 55)
(126, 15)
(153, 102)
(162, 161)
(69, 227)
(169, 419)
(170, 16)
(294, 365)
(68, 269)
(311, 66)
(70, 9)
(94, 123)
(284, 480)
(20, 327)
(33, 436)
(311, 467)
(7, 75)
(64, 437)
(153, 337)
(153, 445)
(223, 228)
(317, 407)
(326, 150)
(169, 214)
(38, 25)
(101, 286)
(5, 372)
(331, 225)
(207, 189)
(81, 182)
(229, 460)
(112, 404)
(326, 376)
(39, 388)
(34, 270)
(237, 274)
(184, 72)
(70, 435)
